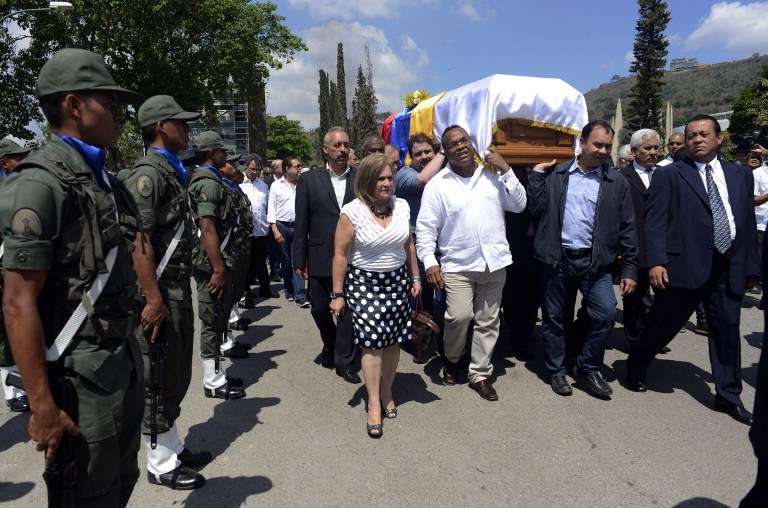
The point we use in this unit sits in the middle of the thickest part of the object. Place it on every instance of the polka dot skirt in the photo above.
(381, 310)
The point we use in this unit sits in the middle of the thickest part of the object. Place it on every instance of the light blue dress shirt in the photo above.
(580, 207)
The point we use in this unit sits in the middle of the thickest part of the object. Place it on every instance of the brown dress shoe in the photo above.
(485, 389)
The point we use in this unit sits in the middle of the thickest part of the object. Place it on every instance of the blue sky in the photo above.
(439, 45)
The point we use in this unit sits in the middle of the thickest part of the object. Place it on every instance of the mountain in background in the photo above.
(709, 89)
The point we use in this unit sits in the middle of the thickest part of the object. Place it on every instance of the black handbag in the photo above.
(424, 330)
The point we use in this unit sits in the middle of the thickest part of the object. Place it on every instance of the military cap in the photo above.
(75, 70)
(235, 157)
(241, 168)
(163, 107)
(8, 147)
(210, 140)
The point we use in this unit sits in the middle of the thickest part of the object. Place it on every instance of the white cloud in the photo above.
(468, 9)
(741, 28)
(629, 58)
(348, 10)
(293, 90)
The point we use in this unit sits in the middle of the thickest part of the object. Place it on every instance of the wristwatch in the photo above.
(335, 295)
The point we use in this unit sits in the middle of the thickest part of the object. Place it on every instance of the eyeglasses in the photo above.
(459, 142)
(295, 166)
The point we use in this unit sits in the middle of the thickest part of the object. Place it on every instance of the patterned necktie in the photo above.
(650, 175)
(722, 229)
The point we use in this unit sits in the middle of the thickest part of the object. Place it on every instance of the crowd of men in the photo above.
(110, 259)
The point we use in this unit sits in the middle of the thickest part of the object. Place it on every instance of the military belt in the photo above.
(177, 272)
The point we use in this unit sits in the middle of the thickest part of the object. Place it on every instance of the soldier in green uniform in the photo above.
(212, 204)
(15, 398)
(162, 260)
(68, 228)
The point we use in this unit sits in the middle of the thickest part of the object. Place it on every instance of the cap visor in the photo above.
(186, 116)
(123, 94)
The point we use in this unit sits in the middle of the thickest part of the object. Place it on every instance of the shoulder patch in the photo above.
(144, 186)
(203, 197)
(26, 222)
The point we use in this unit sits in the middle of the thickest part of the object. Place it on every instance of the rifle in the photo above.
(157, 359)
(60, 478)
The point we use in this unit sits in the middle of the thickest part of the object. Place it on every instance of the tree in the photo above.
(341, 89)
(192, 51)
(324, 101)
(286, 137)
(364, 105)
(650, 50)
(750, 110)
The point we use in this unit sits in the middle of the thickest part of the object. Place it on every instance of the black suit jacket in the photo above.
(317, 213)
(679, 230)
(639, 194)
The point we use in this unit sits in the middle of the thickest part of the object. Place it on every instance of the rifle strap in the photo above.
(75, 321)
(170, 250)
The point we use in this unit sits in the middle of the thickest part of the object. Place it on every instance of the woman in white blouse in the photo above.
(374, 270)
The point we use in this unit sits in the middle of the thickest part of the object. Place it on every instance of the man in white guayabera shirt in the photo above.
(462, 210)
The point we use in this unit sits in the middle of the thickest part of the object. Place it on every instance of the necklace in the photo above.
(383, 214)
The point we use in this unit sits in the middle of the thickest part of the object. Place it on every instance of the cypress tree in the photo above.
(364, 105)
(341, 89)
(650, 50)
(324, 101)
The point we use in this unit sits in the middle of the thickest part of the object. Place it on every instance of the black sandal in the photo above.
(375, 427)
(389, 414)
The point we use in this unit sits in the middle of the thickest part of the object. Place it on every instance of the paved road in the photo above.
(298, 438)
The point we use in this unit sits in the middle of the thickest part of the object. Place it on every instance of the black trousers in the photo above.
(336, 337)
(637, 306)
(258, 268)
(672, 307)
(520, 299)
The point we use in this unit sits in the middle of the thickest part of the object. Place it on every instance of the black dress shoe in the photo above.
(19, 404)
(349, 376)
(560, 385)
(270, 294)
(225, 391)
(595, 383)
(180, 478)
(243, 346)
(237, 325)
(326, 358)
(235, 352)
(193, 460)
(702, 328)
(736, 412)
(246, 304)
(635, 385)
(450, 373)
(234, 381)
(245, 321)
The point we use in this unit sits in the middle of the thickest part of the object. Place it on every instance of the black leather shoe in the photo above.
(450, 373)
(193, 460)
(180, 478)
(738, 413)
(235, 352)
(243, 346)
(560, 385)
(245, 321)
(19, 404)
(595, 383)
(239, 326)
(326, 358)
(225, 391)
(234, 381)
(702, 328)
(635, 385)
(349, 376)
(270, 294)
(246, 304)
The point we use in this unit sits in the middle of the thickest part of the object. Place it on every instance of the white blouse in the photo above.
(377, 248)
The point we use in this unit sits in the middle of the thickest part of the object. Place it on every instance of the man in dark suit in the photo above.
(700, 245)
(644, 144)
(320, 194)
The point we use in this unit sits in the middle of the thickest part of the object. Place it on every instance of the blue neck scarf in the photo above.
(215, 171)
(94, 156)
(3, 174)
(175, 163)
(229, 182)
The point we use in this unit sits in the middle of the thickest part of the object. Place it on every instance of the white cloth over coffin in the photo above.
(479, 106)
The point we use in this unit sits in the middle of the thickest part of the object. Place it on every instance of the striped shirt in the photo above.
(377, 248)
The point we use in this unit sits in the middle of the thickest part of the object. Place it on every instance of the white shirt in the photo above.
(761, 189)
(377, 248)
(643, 174)
(282, 202)
(339, 183)
(257, 192)
(466, 217)
(719, 177)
